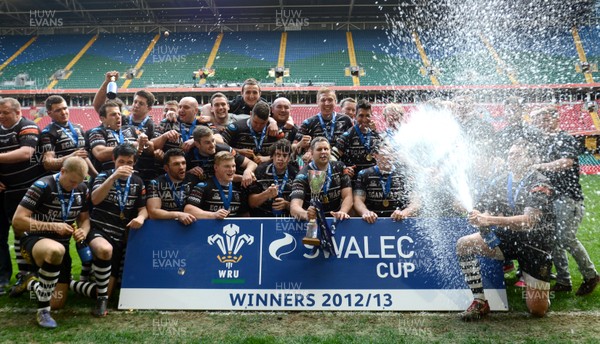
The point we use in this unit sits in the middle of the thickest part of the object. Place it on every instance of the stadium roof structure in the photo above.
(85, 13)
(236, 15)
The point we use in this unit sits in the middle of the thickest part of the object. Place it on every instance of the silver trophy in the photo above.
(316, 180)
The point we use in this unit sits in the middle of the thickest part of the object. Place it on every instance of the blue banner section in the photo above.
(268, 254)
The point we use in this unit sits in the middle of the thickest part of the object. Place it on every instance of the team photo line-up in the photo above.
(246, 157)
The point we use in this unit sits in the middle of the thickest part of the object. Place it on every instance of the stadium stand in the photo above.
(539, 56)
(388, 58)
(10, 44)
(39, 61)
(174, 59)
(317, 56)
(245, 55)
(589, 38)
(110, 52)
(461, 59)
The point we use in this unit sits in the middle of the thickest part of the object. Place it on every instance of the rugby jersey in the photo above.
(106, 215)
(43, 199)
(20, 175)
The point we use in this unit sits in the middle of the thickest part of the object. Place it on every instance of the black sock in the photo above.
(22, 264)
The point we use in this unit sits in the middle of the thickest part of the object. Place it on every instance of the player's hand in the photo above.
(473, 214)
(142, 142)
(159, 154)
(78, 235)
(369, 216)
(305, 142)
(80, 153)
(340, 215)
(273, 129)
(248, 178)
(197, 171)
(272, 191)
(136, 223)
(63, 229)
(399, 215)
(248, 153)
(123, 172)
(171, 116)
(311, 213)
(350, 171)
(2, 187)
(142, 138)
(187, 145)
(185, 218)
(110, 74)
(221, 214)
(280, 204)
(172, 136)
(478, 219)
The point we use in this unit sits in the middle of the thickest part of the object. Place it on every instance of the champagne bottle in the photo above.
(85, 254)
(83, 250)
(111, 89)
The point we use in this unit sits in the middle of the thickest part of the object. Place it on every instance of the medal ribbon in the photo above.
(328, 135)
(366, 143)
(509, 192)
(65, 208)
(71, 133)
(385, 186)
(119, 137)
(122, 195)
(257, 142)
(281, 186)
(226, 201)
(185, 135)
(142, 124)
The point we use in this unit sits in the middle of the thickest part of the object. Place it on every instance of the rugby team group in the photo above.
(245, 157)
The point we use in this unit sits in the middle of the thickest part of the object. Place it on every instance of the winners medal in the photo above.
(386, 186)
(366, 141)
(122, 196)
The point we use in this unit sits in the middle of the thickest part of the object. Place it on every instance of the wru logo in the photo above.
(231, 244)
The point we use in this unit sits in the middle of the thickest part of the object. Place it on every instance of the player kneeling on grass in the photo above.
(515, 222)
(46, 230)
(119, 203)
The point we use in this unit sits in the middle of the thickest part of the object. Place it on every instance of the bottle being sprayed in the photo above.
(111, 89)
